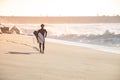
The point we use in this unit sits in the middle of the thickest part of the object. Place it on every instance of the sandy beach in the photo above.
(20, 60)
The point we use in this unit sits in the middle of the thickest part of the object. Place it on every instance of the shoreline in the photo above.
(113, 50)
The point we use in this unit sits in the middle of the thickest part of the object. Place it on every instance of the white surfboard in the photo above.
(41, 38)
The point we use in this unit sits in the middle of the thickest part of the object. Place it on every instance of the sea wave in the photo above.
(107, 38)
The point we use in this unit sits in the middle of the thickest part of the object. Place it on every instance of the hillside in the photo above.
(62, 19)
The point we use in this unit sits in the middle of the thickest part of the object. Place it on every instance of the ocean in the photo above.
(100, 36)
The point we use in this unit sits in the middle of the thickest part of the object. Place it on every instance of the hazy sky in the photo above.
(59, 7)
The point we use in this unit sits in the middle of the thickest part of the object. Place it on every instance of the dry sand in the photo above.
(21, 60)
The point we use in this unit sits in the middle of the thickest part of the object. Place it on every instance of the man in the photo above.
(41, 33)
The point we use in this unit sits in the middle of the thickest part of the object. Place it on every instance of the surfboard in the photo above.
(41, 38)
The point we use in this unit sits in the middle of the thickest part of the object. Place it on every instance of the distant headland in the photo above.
(59, 19)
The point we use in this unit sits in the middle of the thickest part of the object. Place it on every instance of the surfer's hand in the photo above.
(45, 35)
(37, 41)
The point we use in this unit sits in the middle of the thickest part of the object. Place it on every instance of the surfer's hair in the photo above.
(42, 25)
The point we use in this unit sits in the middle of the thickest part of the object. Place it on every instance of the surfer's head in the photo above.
(42, 25)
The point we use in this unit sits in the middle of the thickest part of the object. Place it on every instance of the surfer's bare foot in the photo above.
(40, 51)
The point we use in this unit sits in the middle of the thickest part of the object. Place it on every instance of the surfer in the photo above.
(44, 34)
(40, 35)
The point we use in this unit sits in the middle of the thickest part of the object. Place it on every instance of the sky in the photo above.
(59, 7)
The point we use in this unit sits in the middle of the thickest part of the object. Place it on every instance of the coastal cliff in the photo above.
(60, 19)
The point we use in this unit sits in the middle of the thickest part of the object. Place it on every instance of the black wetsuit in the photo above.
(44, 33)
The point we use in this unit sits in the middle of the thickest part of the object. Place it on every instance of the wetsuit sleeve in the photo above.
(45, 33)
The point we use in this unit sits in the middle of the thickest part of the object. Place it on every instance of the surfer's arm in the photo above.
(45, 33)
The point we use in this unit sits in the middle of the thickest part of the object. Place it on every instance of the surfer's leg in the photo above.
(40, 46)
(43, 46)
